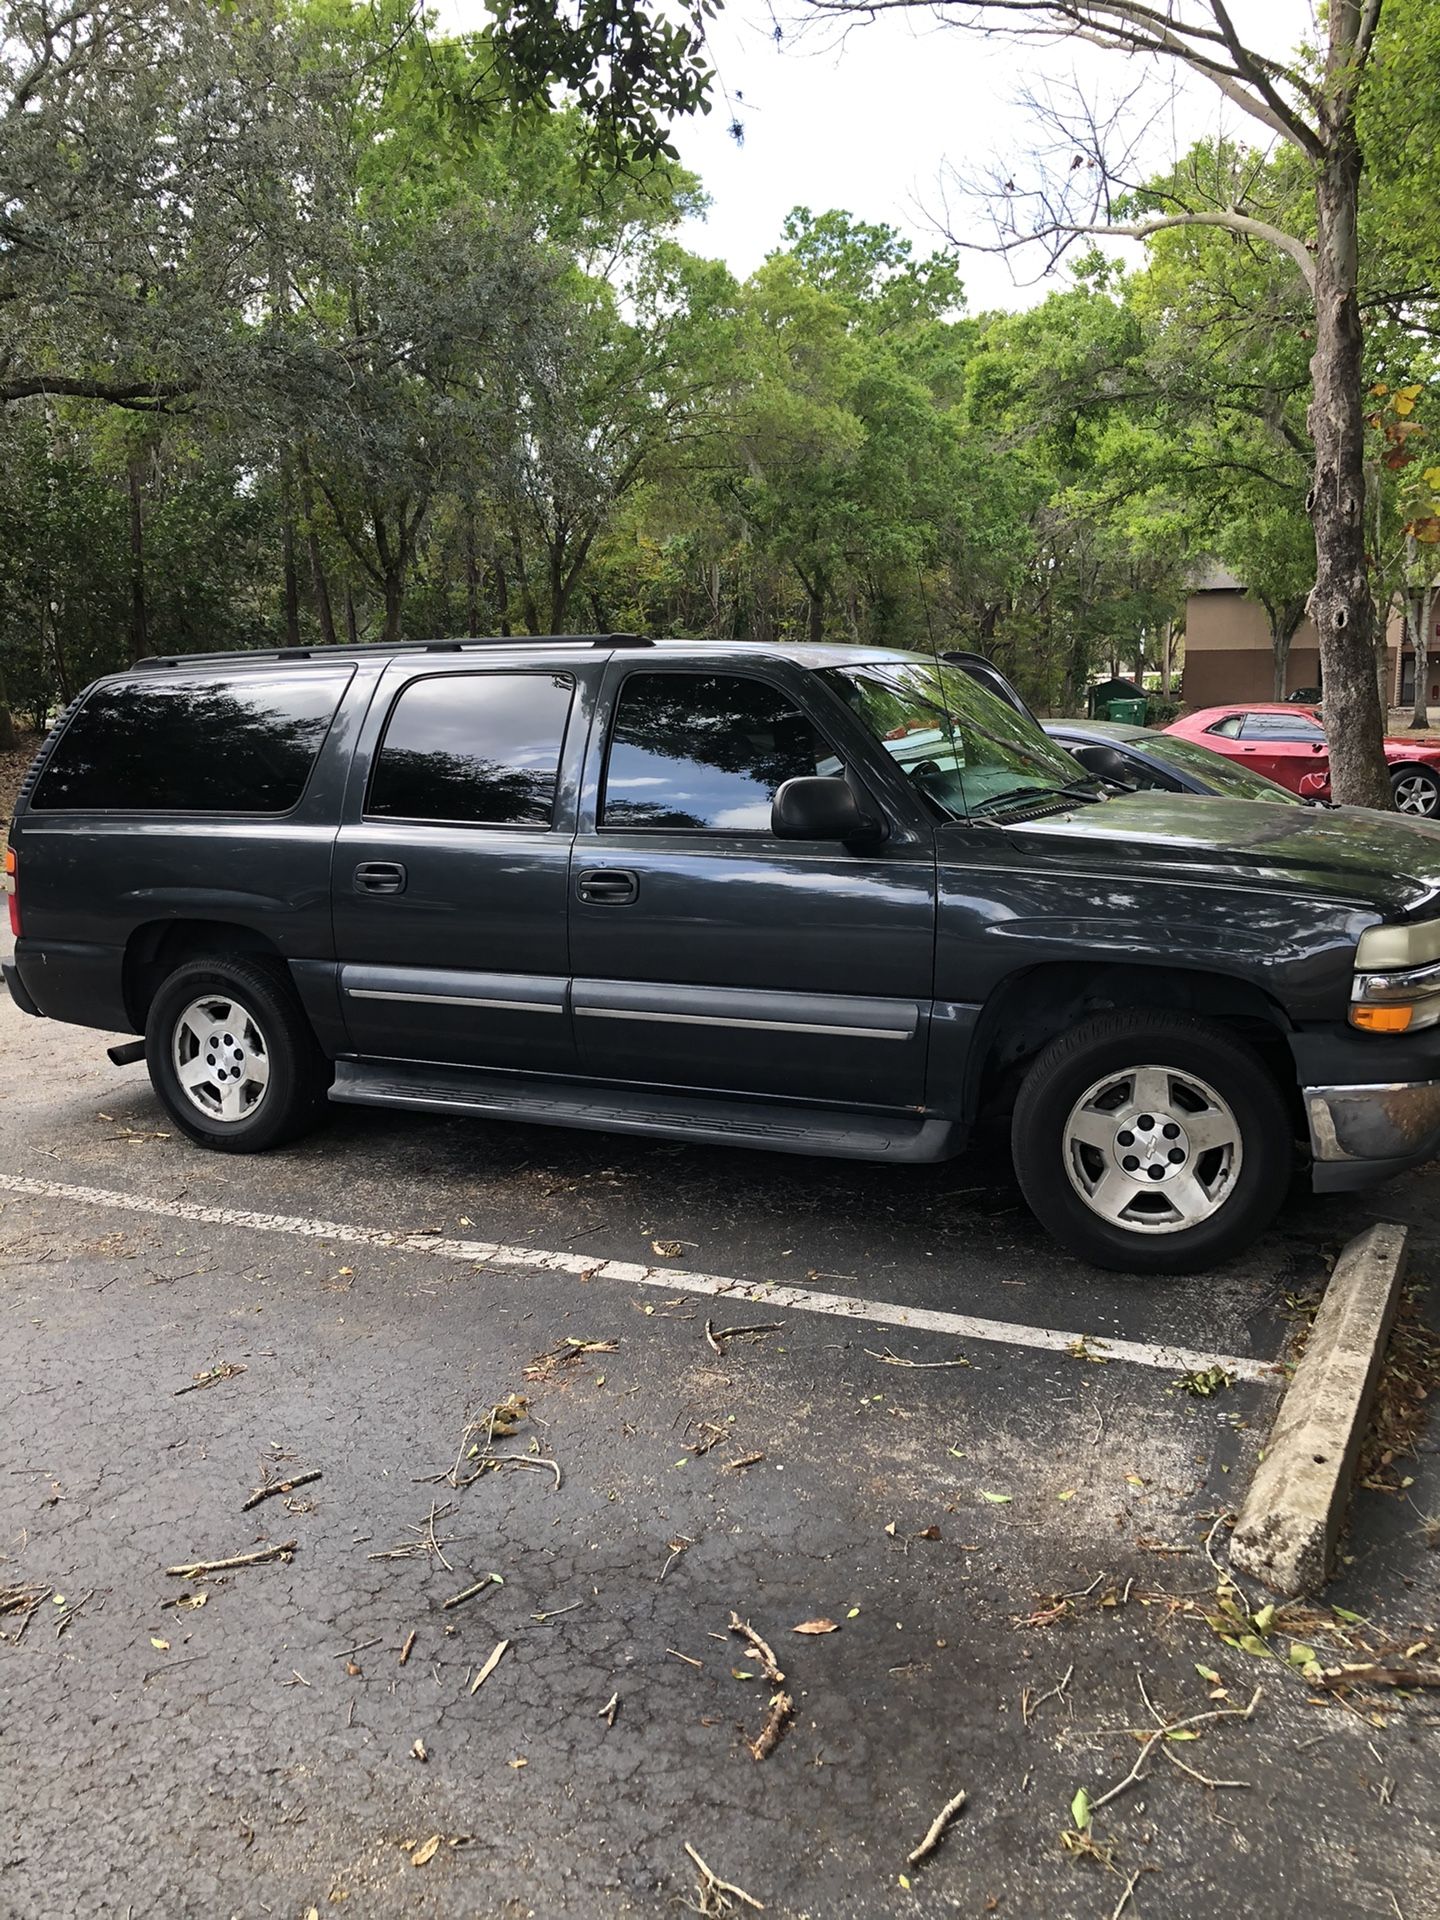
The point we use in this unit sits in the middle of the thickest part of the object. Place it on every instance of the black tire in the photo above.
(297, 1074)
(1416, 791)
(1245, 1191)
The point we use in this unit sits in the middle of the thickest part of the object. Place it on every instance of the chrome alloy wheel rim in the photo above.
(1151, 1150)
(221, 1058)
(1416, 793)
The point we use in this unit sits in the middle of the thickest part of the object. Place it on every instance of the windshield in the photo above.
(1214, 769)
(965, 750)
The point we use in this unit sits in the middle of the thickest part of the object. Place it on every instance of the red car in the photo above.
(1287, 743)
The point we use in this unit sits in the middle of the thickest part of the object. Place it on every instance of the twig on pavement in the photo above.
(936, 1829)
(194, 1568)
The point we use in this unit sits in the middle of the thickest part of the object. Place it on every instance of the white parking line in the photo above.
(485, 1253)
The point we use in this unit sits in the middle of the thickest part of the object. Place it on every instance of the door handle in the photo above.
(608, 886)
(380, 876)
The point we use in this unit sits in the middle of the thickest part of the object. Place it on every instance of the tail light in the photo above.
(12, 887)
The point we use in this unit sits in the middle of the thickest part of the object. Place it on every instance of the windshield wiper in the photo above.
(1030, 796)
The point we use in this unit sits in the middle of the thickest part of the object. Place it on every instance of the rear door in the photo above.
(452, 865)
(706, 952)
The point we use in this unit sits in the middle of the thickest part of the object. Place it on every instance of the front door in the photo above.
(451, 871)
(706, 952)
(1288, 748)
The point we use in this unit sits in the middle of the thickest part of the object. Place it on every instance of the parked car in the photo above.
(1287, 743)
(1143, 759)
(827, 900)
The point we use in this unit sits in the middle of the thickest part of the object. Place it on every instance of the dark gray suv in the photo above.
(824, 900)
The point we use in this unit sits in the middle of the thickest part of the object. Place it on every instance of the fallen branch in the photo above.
(1162, 1733)
(745, 1460)
(1204, 1779)
(734, 1333)
(194, 1568)
(768, 1738)
(1375, 1673)
(1124, 1900)
(937, 1827)
(712, 1883)
(1028, 1706)
(227, 1370)
(408, 1647)
(608, 1711)
(492, 1462)
(280, 1486)
(897, 1360)
(769, 1664)
(457, 1599)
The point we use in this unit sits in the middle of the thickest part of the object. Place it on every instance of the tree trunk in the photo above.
(1280, 639)
(352, 628)
(1420, 717)
(292, 582)
(394, 604)
(139, 623)
(502, 599)
(1341, 606)
(9, 740)
(1167, 659)
(324, 613)
(472, 581)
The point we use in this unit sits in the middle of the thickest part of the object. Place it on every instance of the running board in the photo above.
(703, 1117)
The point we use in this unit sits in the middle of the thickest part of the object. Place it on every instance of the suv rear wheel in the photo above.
(232, 1056)
(1151, 1143)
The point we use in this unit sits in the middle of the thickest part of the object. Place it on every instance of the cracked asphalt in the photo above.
(261, 1758)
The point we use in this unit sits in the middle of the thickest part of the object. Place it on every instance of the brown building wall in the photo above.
(1228, 654)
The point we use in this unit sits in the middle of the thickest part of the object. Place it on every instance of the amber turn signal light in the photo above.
(1382, 1019)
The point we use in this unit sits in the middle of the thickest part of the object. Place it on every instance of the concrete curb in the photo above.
(1293, 1511)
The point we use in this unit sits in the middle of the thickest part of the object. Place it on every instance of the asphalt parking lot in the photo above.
(983, 1474)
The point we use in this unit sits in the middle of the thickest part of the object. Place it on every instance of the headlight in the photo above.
(1397, 979)
(1382, 948)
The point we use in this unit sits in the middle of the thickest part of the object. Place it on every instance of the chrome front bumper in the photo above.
(1360, 1135)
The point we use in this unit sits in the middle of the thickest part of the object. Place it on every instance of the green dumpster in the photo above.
(1128, 713)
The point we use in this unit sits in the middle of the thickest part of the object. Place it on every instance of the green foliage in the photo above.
(316, 320)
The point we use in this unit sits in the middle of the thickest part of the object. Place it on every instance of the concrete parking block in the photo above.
(1292, 1514)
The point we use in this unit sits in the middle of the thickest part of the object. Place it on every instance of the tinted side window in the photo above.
(705, 750)
(479, 750)
(244, 744)
(1280, 726)
(1229, 726)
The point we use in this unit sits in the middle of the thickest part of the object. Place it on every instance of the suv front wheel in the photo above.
(232, 1056)
(1151, 1143)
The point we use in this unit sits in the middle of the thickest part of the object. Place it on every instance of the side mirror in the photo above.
(1106, 763)
(820, 807)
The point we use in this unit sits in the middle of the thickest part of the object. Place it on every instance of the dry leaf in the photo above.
(160, 1646)
(518, 1762)
(351, 1669)
(490, 1665)
(816, 1626)
(417, 1751)
(426, 1851)
(668, 1249)
(890, 1528)
(928, 1533)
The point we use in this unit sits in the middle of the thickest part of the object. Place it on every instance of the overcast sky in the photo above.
(870, 122)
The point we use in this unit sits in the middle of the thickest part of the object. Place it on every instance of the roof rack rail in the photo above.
(369, 648)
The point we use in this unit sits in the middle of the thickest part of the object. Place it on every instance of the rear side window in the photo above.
(1229, 726)
(243, 744)
(475, 750)
(1281, 726)
(695, 750)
